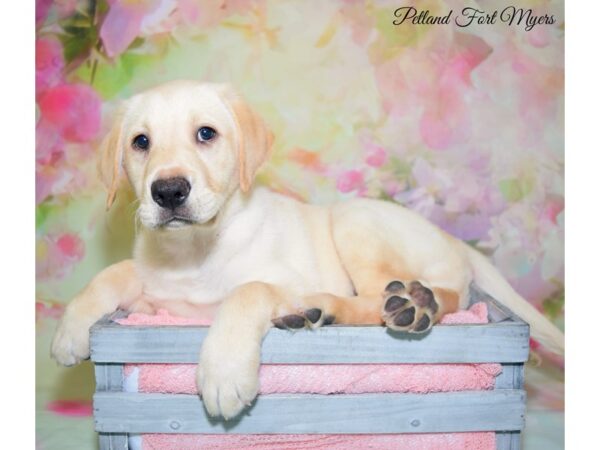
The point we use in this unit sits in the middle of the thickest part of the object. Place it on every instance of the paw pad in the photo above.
(405, 317)
(313, 315)
(409, 309)
(290, 322)
(311, 318)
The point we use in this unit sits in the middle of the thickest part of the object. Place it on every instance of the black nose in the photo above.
(170, 193)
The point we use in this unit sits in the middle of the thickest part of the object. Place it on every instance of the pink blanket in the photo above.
(442, 441)
(322, 379)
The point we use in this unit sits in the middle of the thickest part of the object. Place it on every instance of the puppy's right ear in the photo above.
(110, 162)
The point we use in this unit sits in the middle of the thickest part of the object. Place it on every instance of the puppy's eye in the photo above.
(141, 142)
(206, 134)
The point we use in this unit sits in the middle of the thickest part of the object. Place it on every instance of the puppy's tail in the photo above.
(491, 281)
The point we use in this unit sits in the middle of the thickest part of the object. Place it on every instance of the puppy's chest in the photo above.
(214, 278)
(209, 283)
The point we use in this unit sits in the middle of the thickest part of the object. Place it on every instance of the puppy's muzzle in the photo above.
(171, 192)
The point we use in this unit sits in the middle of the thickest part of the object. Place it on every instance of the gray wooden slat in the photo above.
(476, 294)
(351, 414)
(512, 377)
(508, 440)
(497, 312)
(519, 376)
(506, 342)
(118, 314)
(113, 441)
(109, 377)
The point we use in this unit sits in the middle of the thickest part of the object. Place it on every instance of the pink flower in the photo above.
(392, 187)
(71, 408)
(123, 24)
(48, 144)
(350, 180)
(57, 254)
(206, 14)
(48, 310)
(446, 121)
(70, 246)
(74, 110)
(470, 52)
(49, 64)
(534, 344)
(554, 206)
(66, 8)
(376, 156)
(45, 179)
(539, 37)
(189, 10)
(41, 11)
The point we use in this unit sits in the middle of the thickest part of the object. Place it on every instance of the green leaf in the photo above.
(42, 211)
(515, 189)
(554, 306)
(113, 76)
(79, 33)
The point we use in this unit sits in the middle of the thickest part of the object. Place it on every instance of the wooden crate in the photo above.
(504, 340)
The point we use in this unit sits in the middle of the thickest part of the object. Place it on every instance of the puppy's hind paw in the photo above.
(412, 309)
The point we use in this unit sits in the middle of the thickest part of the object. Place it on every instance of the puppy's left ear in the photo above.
(254, 140)
(110, 160)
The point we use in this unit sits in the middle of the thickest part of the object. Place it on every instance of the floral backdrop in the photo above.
(464, 125)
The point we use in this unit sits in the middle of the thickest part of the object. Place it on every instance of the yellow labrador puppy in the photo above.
(191, 150)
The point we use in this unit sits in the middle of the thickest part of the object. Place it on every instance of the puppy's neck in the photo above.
(188, 246)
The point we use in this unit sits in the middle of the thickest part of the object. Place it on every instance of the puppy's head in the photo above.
(185, 147)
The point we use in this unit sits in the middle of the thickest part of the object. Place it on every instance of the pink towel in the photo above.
(322, 379)
(330, 379)
(443, 441)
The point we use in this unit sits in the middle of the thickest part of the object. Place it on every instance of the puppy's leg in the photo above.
(412, 307)
(313, 311)
(417, 272)
(227, 376)
(116, 286)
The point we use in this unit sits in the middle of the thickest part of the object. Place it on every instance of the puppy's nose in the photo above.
(171, 192)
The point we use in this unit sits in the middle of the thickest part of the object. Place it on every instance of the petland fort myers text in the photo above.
(511, 16)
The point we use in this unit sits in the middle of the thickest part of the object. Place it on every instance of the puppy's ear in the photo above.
(110, 160)
(254, 140)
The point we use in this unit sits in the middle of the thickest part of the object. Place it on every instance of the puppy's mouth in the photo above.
(177, 222)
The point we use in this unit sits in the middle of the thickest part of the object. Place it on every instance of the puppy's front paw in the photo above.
(411, 308)
(71, 342)
(227, 376)
(310, 318)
